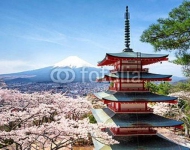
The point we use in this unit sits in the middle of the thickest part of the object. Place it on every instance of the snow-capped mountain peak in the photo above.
(73, 62)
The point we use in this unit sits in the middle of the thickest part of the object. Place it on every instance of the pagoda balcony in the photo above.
(133, 132)
(128, 89)
(130, 69)
(148, 110)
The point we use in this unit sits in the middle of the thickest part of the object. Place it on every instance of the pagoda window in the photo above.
(132, 106)
(131, 81)
(124, 67)
(134, 66)
(132, 86)
(130, 65)
(131, 61)
(123, 130)
(130, 131)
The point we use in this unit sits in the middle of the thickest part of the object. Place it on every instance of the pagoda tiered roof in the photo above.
(136, 75)
(127, 101)
(114, 96)
(124, 120)
(141, 142)
(146, 59)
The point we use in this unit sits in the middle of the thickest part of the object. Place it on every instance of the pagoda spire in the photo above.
(127, 32)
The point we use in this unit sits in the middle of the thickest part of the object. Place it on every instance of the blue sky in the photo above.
(40, 33)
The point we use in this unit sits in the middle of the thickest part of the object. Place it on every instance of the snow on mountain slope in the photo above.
(73, 62)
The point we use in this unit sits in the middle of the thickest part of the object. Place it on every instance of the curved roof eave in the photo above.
(133, 55)
(133, 120)
(136, 54)
(133, 97)
(136, 75)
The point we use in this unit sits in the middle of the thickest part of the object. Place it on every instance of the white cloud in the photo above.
(166, 68)
(50, 37)
(12, 66)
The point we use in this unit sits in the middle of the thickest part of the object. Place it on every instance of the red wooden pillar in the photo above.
(120, 84)
(143, 85)
(120, 65)
(141, 65)
(145, 105)
(119, 109)
(120, 78)
(114, 105)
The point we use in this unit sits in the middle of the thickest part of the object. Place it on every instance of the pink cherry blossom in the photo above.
(46, 120)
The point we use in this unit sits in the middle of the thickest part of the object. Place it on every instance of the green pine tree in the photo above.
(172, 33)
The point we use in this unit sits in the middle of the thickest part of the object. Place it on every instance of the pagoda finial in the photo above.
(127, 32)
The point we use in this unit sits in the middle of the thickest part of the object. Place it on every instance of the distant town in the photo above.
(69, 89)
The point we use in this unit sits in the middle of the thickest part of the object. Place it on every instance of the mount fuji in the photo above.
(71, 69)
(73, 62)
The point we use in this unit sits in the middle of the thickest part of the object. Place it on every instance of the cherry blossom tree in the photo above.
(45, 120)
(179, 111)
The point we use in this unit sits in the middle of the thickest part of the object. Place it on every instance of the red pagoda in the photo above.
(127, 101)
